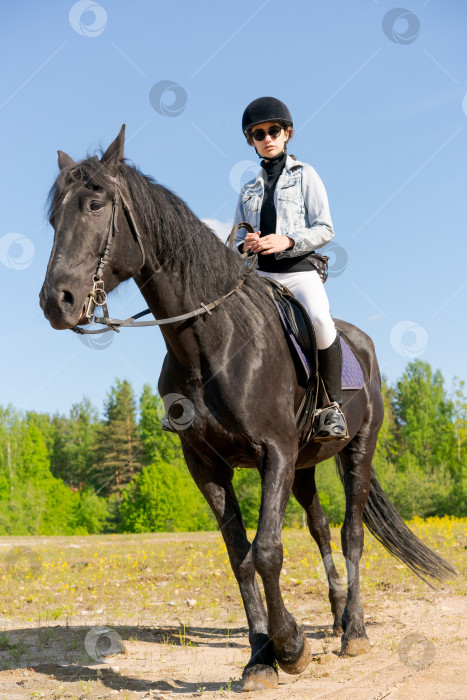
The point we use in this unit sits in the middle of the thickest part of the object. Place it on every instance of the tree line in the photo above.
(81, 473)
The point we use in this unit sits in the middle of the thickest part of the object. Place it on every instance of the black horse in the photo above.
(234, 367)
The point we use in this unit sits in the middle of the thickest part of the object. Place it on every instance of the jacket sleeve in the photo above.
(241, 233)
(318, 229)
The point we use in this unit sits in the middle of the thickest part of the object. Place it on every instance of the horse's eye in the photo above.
(95, 206)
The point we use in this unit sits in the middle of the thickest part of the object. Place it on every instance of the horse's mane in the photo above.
(183, 244)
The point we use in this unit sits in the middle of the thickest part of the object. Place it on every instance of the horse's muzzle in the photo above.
(60, 307)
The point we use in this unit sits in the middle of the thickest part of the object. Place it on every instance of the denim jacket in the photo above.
(301, 205)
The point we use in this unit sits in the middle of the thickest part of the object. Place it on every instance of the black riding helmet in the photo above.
(265, 109)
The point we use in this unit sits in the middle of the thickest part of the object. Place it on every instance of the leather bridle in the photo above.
(98, 297)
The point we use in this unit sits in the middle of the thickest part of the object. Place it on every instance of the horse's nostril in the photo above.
(67, 297)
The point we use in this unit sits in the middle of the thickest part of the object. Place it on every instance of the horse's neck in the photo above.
(166, 298)
(166, 292)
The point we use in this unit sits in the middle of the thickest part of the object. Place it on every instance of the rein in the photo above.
(98, 297)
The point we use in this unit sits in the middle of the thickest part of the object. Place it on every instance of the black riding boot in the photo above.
(331, 424)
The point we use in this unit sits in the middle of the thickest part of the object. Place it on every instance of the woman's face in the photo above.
(269, 147)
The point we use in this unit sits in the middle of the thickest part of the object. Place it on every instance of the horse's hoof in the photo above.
(259, 677)
(301, 663)
(356, 646)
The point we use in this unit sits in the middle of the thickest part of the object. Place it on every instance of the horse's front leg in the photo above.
(277, 476)
(215, 483)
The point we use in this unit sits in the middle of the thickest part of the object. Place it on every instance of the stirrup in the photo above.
(330, 424)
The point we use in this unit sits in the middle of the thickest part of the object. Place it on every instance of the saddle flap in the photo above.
(298, 328)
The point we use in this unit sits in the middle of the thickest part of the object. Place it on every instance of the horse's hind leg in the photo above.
(356, 465)
(216, 487)
(304, 490)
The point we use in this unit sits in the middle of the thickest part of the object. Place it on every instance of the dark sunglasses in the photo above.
(260, 134)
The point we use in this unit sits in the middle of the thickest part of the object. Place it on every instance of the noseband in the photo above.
(98, 297)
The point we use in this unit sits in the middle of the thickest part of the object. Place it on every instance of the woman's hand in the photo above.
(249, 240)
(273, 243)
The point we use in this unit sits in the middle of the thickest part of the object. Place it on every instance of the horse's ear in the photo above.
(64, 160)
(114, 154)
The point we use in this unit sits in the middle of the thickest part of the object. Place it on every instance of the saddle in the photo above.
(301, 338)
(300, 334)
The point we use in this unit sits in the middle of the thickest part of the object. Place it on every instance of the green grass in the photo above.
(110, 579)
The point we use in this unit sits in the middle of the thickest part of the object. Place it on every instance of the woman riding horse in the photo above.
(288, 207)
(112, 223)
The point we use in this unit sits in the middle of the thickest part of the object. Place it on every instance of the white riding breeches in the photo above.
(309, 290)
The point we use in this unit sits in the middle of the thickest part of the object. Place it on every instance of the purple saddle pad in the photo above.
(352, 375)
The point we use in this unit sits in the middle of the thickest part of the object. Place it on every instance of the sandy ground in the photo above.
(202, 661)
(418, 637)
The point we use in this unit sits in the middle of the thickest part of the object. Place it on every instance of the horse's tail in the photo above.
(385, 523)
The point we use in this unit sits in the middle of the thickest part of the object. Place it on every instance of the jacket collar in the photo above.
(290, 163)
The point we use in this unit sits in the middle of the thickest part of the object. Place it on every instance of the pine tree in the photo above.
(118, 452)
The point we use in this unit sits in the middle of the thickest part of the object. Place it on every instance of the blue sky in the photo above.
(379, 102)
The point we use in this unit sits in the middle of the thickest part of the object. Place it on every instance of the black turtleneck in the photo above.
(273, 168)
